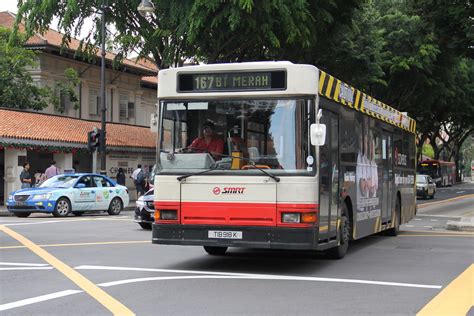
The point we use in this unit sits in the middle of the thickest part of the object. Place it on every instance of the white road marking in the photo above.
(37, 299)
(26, 268)
(409, 225)
(48, 222)
(90, 219)
(243, 276)
(207, 275)
(428, 226)
(433, 220)
(418, 219)
(23, 264)
(432, 215)
(459, 192)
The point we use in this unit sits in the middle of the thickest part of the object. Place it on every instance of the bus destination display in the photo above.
(238, 81)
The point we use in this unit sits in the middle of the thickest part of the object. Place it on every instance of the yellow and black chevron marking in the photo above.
(330, 87)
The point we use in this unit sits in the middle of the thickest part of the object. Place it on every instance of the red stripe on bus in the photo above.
(235, 213)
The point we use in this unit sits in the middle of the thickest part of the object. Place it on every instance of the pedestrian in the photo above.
(25, 177)
(138, 177)
(51, 171)
(121, 177)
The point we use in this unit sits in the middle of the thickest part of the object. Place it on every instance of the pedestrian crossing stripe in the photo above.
(335, 89)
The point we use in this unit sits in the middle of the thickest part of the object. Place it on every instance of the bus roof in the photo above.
(299, 80)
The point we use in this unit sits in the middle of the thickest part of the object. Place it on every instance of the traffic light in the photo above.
(93, 139)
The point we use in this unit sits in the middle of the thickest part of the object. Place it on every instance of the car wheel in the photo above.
(396, 228)
(22, 214)
(78, 213)
(146, 226)
(115, 207)
(340, 251)
(62, 208)
(215, 251)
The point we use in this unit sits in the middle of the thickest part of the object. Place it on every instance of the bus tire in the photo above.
(340, 250)
(396, 228)
(215, 251)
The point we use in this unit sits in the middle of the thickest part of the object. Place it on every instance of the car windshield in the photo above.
(62, 181)
(272, 134)
(421, 179)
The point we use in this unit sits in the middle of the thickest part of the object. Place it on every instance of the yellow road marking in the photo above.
(85, 284)
(455, 299)
(447, 200)
(436, 232)
(436, 235)
(85, 244)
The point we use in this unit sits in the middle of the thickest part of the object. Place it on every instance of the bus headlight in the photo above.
(290, 217)
(167, 215)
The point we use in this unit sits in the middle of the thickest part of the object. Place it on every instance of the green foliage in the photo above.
(68, 89)
(428, 151)
(17, 89)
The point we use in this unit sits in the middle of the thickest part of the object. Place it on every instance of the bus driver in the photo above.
(208, 142)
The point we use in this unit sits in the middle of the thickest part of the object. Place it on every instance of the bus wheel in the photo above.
(396, 228)
(340, 251)
(215, 251)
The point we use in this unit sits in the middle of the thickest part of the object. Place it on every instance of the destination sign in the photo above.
(236, 81)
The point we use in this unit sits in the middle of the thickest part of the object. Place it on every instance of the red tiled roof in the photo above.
(54, 38)
(43, 127)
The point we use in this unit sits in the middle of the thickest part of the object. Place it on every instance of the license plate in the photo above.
(20, 203)
(219, 234)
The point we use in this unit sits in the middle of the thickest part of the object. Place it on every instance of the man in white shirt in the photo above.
(138, 173)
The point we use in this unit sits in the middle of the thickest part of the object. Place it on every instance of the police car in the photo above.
(70, 193)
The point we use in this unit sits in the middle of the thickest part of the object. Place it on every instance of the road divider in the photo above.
(424, 205)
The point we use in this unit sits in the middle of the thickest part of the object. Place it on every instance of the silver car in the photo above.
(425, 186)
(145, 209)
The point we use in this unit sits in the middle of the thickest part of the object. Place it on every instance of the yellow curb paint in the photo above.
(444, 201)
(86, 244)
(455, 299)
(85, 284)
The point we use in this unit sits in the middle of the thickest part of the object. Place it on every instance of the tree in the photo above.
(17, 89)
(198, 30)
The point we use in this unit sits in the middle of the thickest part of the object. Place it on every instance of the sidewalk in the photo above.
(465, 224)
(4, 211)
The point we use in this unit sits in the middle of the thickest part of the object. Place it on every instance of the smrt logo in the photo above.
(229, 190)
(233, 190)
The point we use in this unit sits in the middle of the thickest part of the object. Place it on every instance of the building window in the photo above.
(123, 106)
(94, 102)
(131, 110)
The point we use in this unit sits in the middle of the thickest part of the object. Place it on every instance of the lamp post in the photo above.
(146, 7)
(103, 109)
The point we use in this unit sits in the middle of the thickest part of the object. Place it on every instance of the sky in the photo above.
(8, 5)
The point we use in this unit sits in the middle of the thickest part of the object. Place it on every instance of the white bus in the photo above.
(277, 155)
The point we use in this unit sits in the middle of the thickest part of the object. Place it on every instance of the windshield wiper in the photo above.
(252, 163)
(181, 178)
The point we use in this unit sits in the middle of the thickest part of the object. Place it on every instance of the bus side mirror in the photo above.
(318, 134)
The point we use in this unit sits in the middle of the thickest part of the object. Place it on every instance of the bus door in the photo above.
(329, 178)
(387, 176)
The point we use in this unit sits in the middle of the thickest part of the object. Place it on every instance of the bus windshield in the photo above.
(428, 169)
(272, 134)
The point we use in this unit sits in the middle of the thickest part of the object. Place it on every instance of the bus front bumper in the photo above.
(237, 236)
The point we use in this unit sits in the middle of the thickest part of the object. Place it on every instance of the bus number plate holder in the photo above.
(220, 234)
